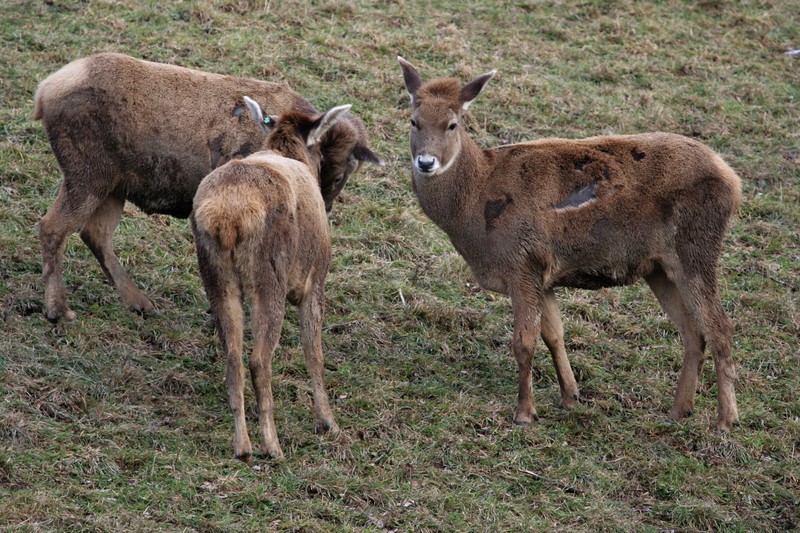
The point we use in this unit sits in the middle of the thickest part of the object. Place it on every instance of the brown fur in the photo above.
(588, 213)
(125, 129)
(261, 232)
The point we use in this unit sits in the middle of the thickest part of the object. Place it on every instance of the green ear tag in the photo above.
(267, 120)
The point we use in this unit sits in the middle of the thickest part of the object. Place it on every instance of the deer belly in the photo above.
(596, 280)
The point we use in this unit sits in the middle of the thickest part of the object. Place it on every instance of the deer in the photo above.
(261, 233)
(123, 129)
(591, 213)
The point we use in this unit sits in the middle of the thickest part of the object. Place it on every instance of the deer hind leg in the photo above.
(700, 298)
(721, 341)
(224, 295)
(553, 336)
(268, 309)
(90, 175)
(311, 312)
(230, 321)
(717, 331)
(701, 226)
(527, 320)
(670, 299)
(97, 233)
(67, 215)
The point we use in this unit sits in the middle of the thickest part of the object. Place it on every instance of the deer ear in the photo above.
(362, 153)
(411, 77)
(324, 123)
(264, 122)
(470, 91)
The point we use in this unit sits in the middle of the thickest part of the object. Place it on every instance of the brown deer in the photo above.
(125, 129)
(261, 232)
(598, 212)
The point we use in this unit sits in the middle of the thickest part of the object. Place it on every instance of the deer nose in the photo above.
(426, 163)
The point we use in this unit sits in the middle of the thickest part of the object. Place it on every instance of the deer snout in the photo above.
(427, 163)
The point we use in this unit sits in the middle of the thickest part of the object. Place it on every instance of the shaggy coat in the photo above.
(591, 213)
(125, 129)
(261, 232)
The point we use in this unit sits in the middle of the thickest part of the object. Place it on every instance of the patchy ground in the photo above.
(119, 422)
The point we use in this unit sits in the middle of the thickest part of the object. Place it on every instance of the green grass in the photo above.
(120, 422)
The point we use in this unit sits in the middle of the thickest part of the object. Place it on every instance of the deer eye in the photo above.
(413, 123)
(452, 126)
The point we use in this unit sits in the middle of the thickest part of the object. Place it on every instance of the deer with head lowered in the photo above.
(123, 129)
(598, 212)
(261, 232)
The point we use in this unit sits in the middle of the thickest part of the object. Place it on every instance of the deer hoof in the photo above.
(145, 308)
(570, 400)
(678, 413)
(245, 458)
(328, 426)
(724, 425)
(57, 313)
(275, 454)
(525, 419)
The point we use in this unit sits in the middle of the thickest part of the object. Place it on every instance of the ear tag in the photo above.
(267, 120)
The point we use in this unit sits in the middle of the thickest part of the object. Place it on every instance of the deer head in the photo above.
(437, 107)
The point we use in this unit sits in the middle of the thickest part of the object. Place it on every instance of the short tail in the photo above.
(38, 105)
(226, 235)
(733, 181)
(58, 84)
(229, 222)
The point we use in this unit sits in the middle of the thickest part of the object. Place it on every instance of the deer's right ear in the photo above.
(264, 121)
(411, 77)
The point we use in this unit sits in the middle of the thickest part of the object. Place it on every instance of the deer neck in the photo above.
(290, 147)
(444, 197)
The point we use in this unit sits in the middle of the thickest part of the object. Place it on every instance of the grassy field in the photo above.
(117, 422)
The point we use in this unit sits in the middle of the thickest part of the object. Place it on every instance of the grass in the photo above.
(120, 422)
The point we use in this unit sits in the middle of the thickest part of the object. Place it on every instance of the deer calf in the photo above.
(591, 213)
(261, 231)
(125, 129)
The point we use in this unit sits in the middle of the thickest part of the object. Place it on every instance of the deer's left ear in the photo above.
(362, 153)
(470, 91)
(264, 121)
(324, 123)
